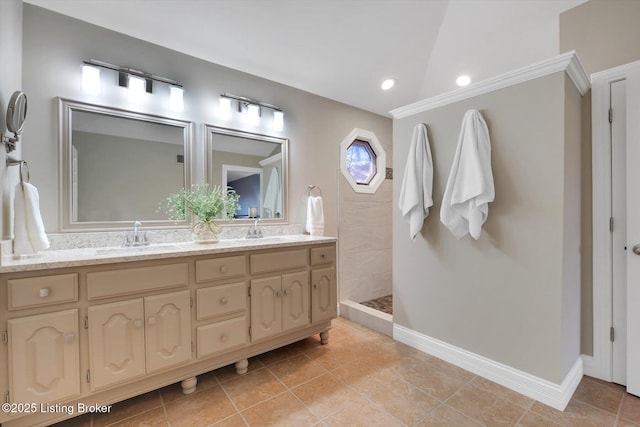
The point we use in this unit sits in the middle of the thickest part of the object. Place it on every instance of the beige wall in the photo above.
(10, 81)
(605, 34)
(55, 45)
(512, 296)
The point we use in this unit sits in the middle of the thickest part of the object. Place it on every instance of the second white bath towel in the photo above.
(28, 227)
(315, 216)
(417, 182)
(465, 205)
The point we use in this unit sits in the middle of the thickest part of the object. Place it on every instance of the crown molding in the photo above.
(568, 62)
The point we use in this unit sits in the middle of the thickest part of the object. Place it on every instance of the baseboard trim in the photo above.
(555, 395)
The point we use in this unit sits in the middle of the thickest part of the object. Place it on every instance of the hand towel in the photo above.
(29, 235)
(417, 182)
(465, 205)
(273, 196)
(315, 216)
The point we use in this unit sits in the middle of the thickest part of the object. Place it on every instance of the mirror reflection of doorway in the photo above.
(247, 182)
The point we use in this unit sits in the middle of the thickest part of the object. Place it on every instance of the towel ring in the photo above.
(311, 187)
(23, 164)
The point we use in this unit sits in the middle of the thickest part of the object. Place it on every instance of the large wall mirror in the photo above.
(118, 165)
(255, 166)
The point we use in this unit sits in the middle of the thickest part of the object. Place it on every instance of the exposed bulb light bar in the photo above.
(252, 108)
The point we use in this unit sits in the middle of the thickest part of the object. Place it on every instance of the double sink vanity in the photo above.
(95, 326)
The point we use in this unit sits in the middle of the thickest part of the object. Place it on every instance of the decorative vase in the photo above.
(206, 232)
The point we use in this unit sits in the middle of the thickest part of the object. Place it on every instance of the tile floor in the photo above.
(361, 378)
(383, 304)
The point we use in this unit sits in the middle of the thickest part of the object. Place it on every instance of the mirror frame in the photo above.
(17, 112)
(210, 131)
(66, 107)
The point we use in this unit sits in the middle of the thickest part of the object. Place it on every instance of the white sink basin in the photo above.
(136, 249)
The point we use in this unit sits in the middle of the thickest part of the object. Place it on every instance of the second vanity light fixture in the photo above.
(251, 108)
(138, 82)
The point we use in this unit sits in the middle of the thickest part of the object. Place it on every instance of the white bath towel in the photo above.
(465, 205)
(28, 227)
(273, 196)
(417, 182)
(315, 216)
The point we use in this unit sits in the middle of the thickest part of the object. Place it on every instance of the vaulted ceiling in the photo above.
(343, 49)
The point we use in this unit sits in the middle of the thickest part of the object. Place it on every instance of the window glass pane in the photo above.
(361, 162)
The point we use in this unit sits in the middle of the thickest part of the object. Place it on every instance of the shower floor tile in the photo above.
(383, 304)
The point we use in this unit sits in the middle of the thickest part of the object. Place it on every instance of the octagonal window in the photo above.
(361, 162)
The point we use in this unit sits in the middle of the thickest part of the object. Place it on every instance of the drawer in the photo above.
(44, 290)
(220, 268)
(283, 260)
(221, 336)
(106, 284)
(219, 300)
(323, 255)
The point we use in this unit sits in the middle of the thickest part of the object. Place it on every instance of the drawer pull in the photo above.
(69, 337)
(151, 320)
(224, 338)
(223, 268)
(223, 300)
(137, 323)
(44, 292)
(323, 256)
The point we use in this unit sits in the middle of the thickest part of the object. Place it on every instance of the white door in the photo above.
(619, 233)
(633, 231)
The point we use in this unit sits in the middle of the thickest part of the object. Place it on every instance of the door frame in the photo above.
(600, 364)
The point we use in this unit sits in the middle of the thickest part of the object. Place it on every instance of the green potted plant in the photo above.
(205, 205)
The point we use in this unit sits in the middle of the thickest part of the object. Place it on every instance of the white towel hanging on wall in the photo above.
(29, 235)
(465, 205)
(417, 182)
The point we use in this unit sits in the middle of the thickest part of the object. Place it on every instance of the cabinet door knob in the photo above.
(151, 320)
(44, 292)
(137, 323)
(223, 300)
(636, 249)
(315, 286)
(224, 268)
(285, 292)
(69, 337)
(278, 294)
(323, 256)
(224, 337)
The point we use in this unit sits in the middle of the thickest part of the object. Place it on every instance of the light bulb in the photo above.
(387, 84)
(463, 80)
(253, 114)
(90, 80)
(176, 98)
(278, 120)
(136, 88)
(225, 108)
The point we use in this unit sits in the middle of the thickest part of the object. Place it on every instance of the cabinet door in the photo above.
(323, 294)
(44, 356)
(116, 342)
(266, 307)
(295, 300)
(168, 330)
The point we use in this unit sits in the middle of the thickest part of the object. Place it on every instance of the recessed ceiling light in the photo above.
(387, 84)
(463, 80)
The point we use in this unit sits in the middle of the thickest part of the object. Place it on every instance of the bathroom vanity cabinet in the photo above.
(102, 330)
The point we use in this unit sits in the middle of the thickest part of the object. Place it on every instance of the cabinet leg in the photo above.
(324, 337)
(189, 385)
(242, 367)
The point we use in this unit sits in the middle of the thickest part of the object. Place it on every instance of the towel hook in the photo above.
(22, 163)
(311, 187)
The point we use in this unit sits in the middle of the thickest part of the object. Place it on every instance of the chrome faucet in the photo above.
(254, 232)
(135, 237)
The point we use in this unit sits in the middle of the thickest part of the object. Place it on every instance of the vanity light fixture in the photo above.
(90, 79)
(137, 81)
(252, 108)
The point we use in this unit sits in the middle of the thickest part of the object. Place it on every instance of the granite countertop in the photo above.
(114, 254)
